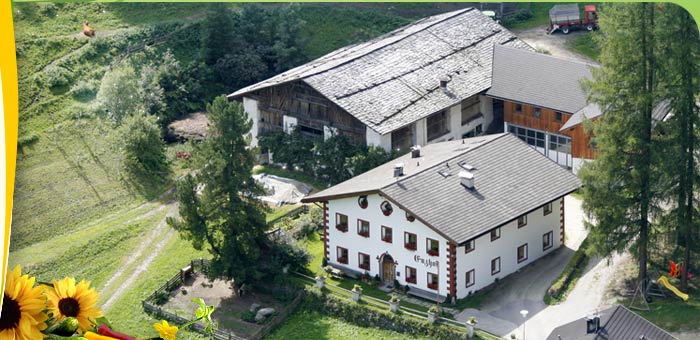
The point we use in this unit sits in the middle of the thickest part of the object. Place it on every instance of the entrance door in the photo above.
(388, 269)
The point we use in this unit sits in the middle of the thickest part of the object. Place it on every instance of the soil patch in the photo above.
(228, 305)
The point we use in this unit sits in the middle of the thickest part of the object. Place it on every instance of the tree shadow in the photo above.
(79, 170)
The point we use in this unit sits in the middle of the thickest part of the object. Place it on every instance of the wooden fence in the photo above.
(199, 266)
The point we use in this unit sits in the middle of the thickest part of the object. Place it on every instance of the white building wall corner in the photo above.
(421, 132)
(455, 113)
(250, 106)
(374, 138)
(486, 107)
(506, 247)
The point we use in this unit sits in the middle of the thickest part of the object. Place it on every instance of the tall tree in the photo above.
(218, 34)
(225, 216)
(619, 189)
(681, 68)
(144, 153)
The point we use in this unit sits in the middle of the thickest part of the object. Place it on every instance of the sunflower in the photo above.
(165, 331)
(68, 299)
(22, 315)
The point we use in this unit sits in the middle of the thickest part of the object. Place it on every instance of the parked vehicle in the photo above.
(568, 17)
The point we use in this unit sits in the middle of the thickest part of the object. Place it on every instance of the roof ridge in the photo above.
(495, 137)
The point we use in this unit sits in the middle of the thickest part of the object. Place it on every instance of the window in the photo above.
(362, 228)
(387, 235)
(560, 144)
(410, 274)
(522, 253)
(522, 221)
(495, 234)
(496, 266)
(410, 240)
(402, 139)
(518, 108)
(438, 125)
(469, 279)
(362, 202)
(558, 116)
(363, 261)
(470, 109)
(538, 112)
(469, 247)
(533, 137)
(547, 241)
(432, 247)
(432, 281)
(547, 209)
(410, 217)
(387, 209)
(341, 222)
(342, 255)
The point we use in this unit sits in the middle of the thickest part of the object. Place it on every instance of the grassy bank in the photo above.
(585, 44)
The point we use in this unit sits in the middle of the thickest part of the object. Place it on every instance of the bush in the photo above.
(358, 314)
(248, 316)
(57, 76)
(85, 89)
(568, 277)
(160, 297)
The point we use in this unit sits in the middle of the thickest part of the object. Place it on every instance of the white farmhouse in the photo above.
(450, 218)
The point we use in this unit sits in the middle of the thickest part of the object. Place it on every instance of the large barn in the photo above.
(420, 84)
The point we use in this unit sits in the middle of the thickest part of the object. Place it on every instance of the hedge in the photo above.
(566, 281)
(360, 315)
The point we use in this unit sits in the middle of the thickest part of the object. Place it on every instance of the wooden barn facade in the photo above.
(422, 83)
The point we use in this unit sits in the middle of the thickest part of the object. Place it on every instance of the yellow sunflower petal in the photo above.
(26, 304)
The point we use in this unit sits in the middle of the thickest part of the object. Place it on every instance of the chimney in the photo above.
(415, 151)
(398, 169)
(466, 178)
(443, 82)
(592, 324)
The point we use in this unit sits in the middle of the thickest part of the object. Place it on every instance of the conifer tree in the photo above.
(619, 187)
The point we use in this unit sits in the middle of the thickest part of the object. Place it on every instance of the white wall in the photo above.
(486, 107)
(578, 163)
(250, 106)
(506, 247)
(374, 246)
(374, 138)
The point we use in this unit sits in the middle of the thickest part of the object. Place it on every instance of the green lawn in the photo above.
(585, 44)
(672, 313)
(312, 325)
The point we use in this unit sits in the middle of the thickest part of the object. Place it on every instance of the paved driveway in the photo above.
(524, 290)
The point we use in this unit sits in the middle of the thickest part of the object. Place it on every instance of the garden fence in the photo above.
(199, 266)
(385, 305)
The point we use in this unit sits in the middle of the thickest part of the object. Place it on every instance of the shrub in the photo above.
(356, 288)
(360, 315)
(568, 277)
(248, 316)
(394, 298)
(160, 297)
(57, 76)
(434, 309)
(85, 89)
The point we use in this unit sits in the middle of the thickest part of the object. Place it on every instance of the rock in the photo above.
(254, 307)
(263, 314)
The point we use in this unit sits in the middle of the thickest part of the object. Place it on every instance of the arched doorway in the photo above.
(388, 269)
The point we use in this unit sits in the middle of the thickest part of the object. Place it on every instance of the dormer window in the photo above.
(362, 202)
(387, 209)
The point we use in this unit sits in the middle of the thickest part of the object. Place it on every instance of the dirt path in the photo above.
(163, 233)
(555, 43)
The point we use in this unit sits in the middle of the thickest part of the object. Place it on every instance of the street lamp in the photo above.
(524, 314)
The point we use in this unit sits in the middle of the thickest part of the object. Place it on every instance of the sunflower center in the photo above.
(69, 307)
(10, 315)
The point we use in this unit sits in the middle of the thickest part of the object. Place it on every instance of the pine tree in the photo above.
(225, 217)
(681, 86)
(619, 190)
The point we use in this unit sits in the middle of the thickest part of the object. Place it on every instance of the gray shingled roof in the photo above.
(393, 80)
(538, 79)
(511, 179)
(592, 110)
(617, 323)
